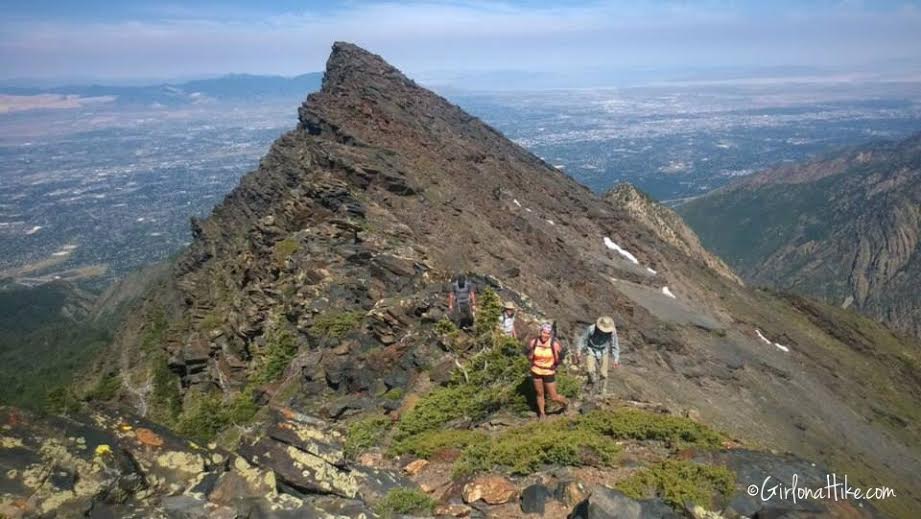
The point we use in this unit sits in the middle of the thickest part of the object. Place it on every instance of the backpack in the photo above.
(462, 295)
(561, 356)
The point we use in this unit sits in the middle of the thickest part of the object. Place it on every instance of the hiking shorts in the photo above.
(548, 379)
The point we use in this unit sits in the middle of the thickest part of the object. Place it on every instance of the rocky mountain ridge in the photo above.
(306, 320)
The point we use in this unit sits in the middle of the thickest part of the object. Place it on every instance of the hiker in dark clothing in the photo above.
(462, 302)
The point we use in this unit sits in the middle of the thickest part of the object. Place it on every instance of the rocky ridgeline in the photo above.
(301, 337)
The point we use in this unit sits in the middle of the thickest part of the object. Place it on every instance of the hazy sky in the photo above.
(154, 39)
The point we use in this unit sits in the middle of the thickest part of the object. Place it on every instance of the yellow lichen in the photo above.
(103, 450)
(182, 461)
(8, 442)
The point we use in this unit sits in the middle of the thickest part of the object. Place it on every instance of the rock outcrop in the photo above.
(666, 225)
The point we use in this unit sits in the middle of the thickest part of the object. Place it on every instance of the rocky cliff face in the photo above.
(666, 225)
(845, 229)
(318, 286)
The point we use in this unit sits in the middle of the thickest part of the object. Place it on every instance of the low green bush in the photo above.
(203, 418)
(404, 501)
(207, 415)
(165, 400)
(680, 482)
(523, 450)
(395, 393)
(445, 327)
(336, 324)
(106, 388)
(365, 433)
(283, 250)
(637, 424)
(428, 443)
(281, 346)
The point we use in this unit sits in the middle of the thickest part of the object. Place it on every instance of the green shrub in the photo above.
(643, 425)
(336, 324)
(394, 394)
(445, 327)
(243, 408)
(443, 405)
(283, 250)
(489, 310)
(523, 450)
(207, 415)
(405, 501)
(679, 482)
(106, 388)
(165, 399)
(154, 330)
(568, 385)
(425, 444)
(203, 418)
(365, 433)
(281, 346)
(61, 400)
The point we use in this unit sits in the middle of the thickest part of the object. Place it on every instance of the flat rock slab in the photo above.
(664, 307)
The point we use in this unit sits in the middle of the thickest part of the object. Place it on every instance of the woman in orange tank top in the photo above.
(544, 354)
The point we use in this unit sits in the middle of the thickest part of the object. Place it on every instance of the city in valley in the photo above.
(92, 190)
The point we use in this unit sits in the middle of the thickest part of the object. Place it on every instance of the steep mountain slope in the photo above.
(666, 225)
(318, 286)
(845, 229)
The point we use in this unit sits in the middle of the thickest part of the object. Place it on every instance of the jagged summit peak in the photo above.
(351, 67)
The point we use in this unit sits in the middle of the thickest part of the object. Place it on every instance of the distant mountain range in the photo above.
(229, 87)
(845, 228)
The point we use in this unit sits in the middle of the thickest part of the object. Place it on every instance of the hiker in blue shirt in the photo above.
(598, 343)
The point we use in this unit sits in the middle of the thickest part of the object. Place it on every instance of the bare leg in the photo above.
(539, 391)
(556, 397)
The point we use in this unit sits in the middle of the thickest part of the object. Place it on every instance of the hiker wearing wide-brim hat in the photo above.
(598, 343)
(507, 320)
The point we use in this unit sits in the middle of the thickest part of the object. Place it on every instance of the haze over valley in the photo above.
(94, 191)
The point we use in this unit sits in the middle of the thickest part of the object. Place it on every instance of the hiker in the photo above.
(462, 302)
(597, 343)
(507, 320)
(544, 353)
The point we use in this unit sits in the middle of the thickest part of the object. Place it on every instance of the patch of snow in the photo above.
(615, 247)
(668, 292)
(528, 210)
(156, 234)
(550, 222)
(61, 253)
(653, 272)
(560, 166)
(34, 230)
(517, 202)
(781, 347)
(140, 219)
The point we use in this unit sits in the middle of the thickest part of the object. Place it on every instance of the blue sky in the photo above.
(437, 39)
